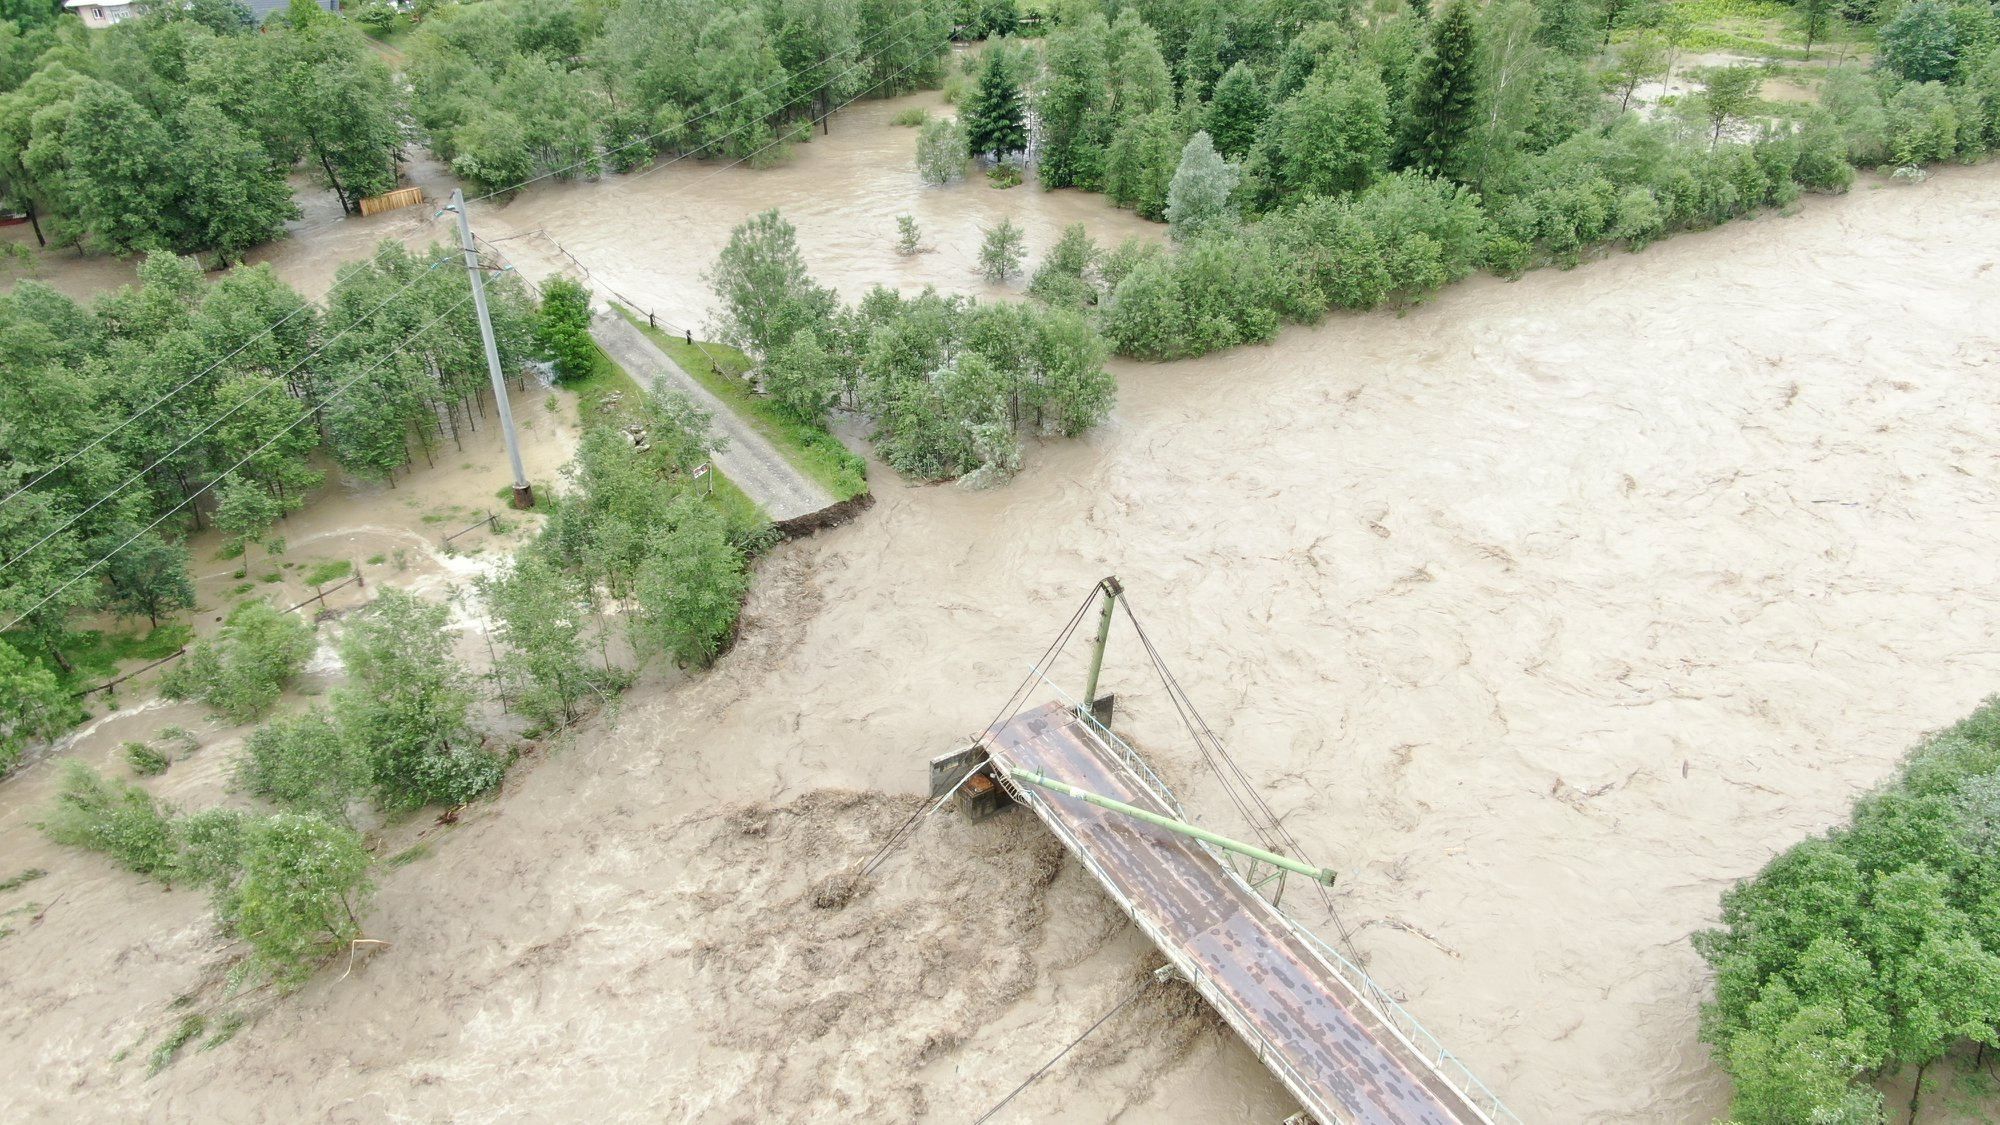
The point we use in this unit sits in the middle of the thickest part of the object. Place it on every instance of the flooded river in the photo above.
(1543, 612)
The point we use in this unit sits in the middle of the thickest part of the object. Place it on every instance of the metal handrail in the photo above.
(1392, 1013)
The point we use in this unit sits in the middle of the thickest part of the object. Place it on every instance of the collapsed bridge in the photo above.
(1341, 1046)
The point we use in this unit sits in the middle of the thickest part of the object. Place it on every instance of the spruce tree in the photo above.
(1444, 106)
(1236, 112)
(995, 124)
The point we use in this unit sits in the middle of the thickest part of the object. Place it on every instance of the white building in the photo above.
(100, 13)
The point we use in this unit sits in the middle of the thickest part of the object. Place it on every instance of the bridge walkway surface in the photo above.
(1347, 1053)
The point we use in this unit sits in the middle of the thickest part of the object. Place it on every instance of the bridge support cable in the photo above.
(1272, 832)
(1007, 711)
(1159, 974)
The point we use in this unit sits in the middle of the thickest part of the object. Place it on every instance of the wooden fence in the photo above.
(400, 198)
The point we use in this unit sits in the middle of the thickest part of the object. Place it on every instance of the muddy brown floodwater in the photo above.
(1542, 611)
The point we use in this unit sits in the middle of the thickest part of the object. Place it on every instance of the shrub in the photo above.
(1923, 124)
(302, 762)
(942, 151)
(114, 817)
(912, 117)
(304, 882)
(241, 672)
(144, 760)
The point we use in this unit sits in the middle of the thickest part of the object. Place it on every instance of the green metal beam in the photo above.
(1044, 781)
(1111, 590)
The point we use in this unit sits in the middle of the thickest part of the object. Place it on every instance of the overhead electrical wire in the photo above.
(190, 498)
(683, 123)
(222, 417)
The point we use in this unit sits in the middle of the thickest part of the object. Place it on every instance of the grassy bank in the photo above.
(720, 368)
(96, 655)
(595, 399)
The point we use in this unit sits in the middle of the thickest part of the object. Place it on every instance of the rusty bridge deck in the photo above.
(1347, 1055)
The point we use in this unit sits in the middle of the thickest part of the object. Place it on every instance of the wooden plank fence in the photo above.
(392, 201)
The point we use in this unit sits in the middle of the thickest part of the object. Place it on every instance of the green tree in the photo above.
(1444, 105)
(1141, 163)
(1064, 277)
(541, 613)
(246, 512)
(240, 672)
(562, 328)
(996, 117)
(1331, 137)
(907, 235)
(1814, 18)
(691, 585)
(1198, 199)
(304, 886)
(33, 705)
(1073, 105)
(150, 576)
(805, 378)
(1236, 113)
(1000, 253)
(232, 195)
(406, 705)
(1569, 27)
(761, 280)
(941, 150)
(335, 96)
(303, 762)
(1921, 44)
(1730, 91)
(1639, 59)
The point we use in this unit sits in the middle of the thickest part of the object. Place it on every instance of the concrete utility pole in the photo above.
(524, 493)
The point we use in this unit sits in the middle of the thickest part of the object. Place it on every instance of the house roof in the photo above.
(73, 4)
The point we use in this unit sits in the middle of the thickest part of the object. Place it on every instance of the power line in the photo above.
(280, 322)
(143, 411)
(220, 418)
(343, 388)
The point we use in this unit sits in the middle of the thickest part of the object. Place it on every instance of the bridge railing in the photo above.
(1419, 1038)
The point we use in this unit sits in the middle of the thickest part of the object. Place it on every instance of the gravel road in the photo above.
(750, 461)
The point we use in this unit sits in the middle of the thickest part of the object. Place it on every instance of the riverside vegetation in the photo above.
(1338, 156)
(1872, 948)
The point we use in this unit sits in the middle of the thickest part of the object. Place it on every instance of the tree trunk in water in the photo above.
(331, 176)
(1917, 1091)
(36, 223)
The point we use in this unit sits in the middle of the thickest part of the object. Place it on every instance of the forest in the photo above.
(1311, 157)
(178, 131)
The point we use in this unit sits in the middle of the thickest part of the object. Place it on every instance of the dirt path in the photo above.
(749, 460)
